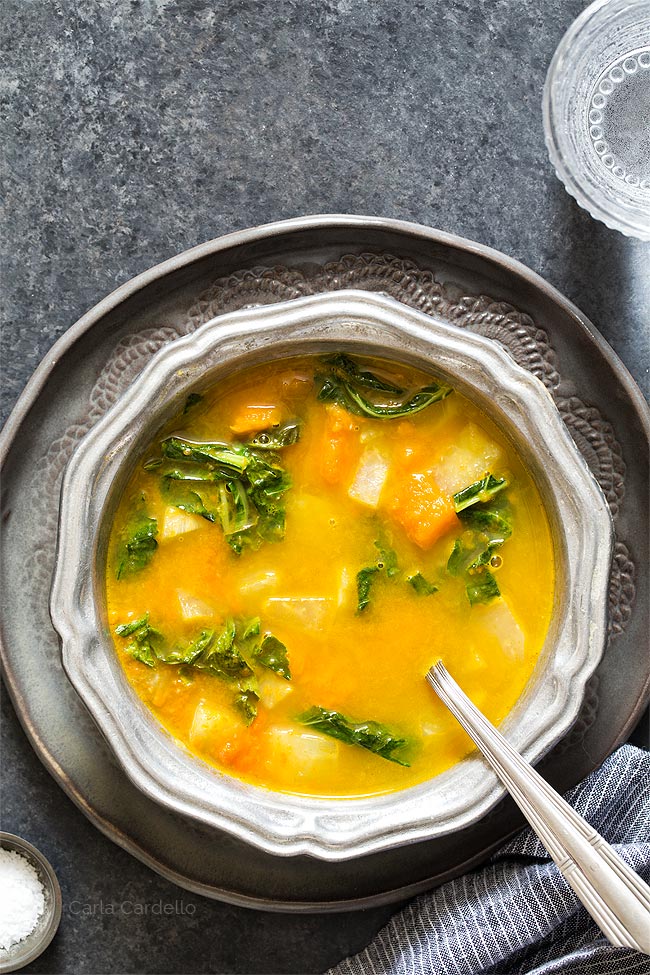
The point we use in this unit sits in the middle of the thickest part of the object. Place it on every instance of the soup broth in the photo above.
(299, 546)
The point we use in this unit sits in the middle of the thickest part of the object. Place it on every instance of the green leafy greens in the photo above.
(492, 520)
(246, 701)
(240, 485)
(421, 585)
(479, 492)
(251, 628)
(488, 524)
(272, 654)
(371, 735)
(223, 654)
(365, 394)
(483, 588)
(364, 584)
(145, 640)
(386, 562)
(181, 494)
(137, 541)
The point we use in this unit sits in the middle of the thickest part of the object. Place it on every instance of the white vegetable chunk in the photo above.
(193, 608)
(272, 689)
(209, 724)
(262, 580)
(308, 610)
(345, 587)
(469, 459)
(176, 522)
(159, 686)
(369, 478)
(498, 619)
(303, 749)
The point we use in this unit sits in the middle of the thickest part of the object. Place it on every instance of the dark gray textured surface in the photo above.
(135, 130)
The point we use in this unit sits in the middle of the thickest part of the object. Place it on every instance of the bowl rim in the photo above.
(329, 829)
(13, 963)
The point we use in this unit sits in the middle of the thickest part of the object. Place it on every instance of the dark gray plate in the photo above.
(93, 362)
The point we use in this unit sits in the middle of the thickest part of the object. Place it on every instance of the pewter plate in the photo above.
(93, 363)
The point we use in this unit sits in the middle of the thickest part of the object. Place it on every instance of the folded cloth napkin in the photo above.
(518, 915)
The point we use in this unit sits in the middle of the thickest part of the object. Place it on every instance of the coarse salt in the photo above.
(22, 898)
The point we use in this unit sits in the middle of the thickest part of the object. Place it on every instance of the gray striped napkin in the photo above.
(517, 914)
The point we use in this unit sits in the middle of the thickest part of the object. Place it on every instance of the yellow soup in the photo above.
(299, 546)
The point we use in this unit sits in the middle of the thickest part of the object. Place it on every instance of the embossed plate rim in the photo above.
(424, 238)
(281, 227)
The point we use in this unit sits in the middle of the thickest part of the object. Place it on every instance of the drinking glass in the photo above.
(597, 113)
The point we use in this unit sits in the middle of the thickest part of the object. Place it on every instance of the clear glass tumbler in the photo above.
(597, 113)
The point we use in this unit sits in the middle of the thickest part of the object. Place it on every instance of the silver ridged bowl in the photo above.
(361, 322)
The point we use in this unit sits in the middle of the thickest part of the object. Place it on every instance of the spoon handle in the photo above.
(615, 896)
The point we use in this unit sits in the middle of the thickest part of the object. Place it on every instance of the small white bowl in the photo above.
(361, 322)
(20, 954)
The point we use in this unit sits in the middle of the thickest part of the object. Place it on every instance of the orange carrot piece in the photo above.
(423, 510)
(340, 446)
(242, 750)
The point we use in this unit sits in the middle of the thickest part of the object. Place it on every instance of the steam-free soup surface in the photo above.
(299, 546)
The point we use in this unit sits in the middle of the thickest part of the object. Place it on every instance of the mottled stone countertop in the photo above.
(134, 130)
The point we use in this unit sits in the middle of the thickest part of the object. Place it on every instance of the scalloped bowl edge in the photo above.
(283, 824)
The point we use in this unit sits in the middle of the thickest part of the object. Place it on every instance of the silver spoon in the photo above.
(615, 896)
